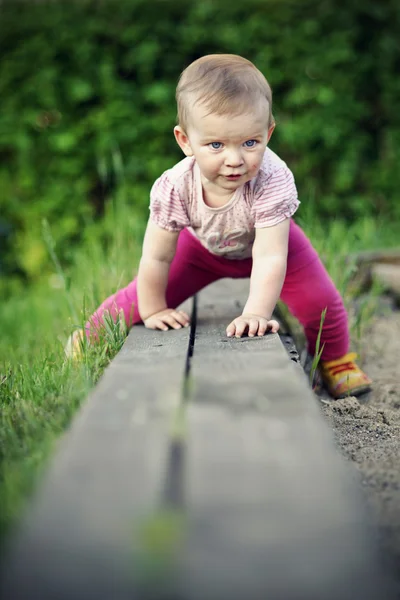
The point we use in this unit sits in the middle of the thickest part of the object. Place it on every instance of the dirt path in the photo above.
(369, 434)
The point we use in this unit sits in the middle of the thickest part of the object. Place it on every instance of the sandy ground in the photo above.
(368, 434)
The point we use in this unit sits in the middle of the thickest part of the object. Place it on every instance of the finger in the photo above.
(171, 321)
(155, 324)
(159, 324)
(181, 318)
(262, 327)
(184, 314)
(253, 327)
(241, 327)
(273, 326)
(231, 329)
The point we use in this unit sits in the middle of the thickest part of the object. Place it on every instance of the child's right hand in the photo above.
(169, 318)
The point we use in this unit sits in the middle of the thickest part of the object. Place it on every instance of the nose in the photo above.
(233, 158)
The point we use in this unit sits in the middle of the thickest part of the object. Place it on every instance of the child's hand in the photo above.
(168, 318)
(254, 324)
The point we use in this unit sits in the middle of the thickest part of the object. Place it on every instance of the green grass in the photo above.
(318, 349)
(40, 390)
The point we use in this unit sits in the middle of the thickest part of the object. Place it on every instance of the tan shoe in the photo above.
(343, 377)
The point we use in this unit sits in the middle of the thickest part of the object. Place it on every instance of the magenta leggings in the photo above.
(307, 289)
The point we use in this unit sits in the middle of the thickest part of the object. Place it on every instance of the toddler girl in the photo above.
(226, 211)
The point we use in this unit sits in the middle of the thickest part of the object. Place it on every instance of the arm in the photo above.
(267, 277)
(269, 269)
(159, 248)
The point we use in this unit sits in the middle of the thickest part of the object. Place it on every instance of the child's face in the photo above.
(229, 150)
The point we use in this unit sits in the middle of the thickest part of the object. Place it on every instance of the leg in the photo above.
(192, 269)
(307, 290)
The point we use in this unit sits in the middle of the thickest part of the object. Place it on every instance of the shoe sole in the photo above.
(355, 392)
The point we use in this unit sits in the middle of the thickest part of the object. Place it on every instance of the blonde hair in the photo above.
(226, 84)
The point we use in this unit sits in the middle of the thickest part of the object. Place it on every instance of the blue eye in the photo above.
(216, 145)
(250, 143)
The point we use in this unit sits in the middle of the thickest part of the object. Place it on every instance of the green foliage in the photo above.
(87, 91)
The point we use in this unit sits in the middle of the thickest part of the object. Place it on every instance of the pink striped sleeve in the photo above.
(275, 199)
(167, 208)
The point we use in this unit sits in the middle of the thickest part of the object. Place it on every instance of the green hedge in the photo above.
(87, 104)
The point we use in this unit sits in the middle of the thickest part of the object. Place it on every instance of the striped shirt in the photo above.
(176, 202)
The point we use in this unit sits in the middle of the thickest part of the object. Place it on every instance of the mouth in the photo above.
(232, 177)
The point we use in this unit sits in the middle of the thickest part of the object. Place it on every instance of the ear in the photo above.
(270, 132)
(183, 141)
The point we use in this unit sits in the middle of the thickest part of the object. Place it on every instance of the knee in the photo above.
(310, 302)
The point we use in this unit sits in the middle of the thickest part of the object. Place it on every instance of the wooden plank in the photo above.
(82, 536)
(273, 511)
(384, 256)
(368, 262)
(388, 275)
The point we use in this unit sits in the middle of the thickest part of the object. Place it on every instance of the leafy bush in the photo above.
(87, 92)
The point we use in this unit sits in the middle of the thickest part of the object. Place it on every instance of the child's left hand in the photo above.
(254, 324)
